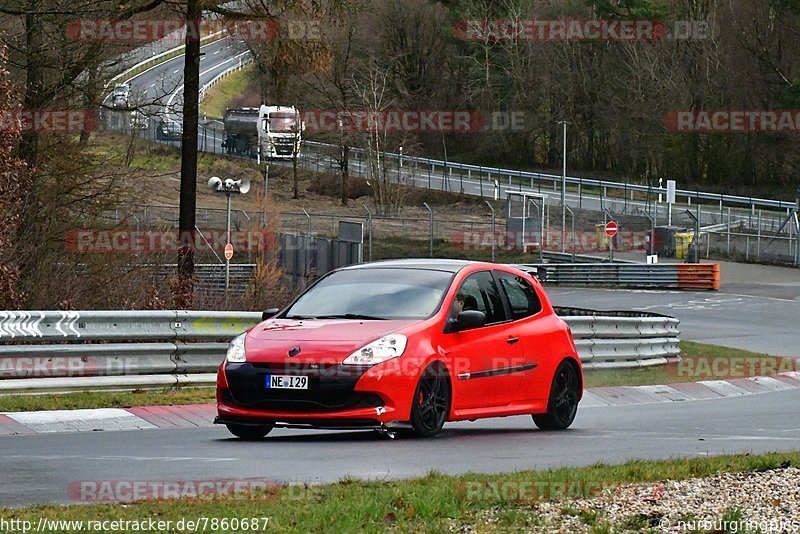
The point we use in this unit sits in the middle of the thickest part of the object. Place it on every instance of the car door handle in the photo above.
(512, 340)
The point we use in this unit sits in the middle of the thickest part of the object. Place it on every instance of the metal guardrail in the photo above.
(684, 276)
(622, 339)
(123, 350)
(511, 174)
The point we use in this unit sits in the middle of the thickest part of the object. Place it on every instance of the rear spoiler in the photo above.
(537, 271)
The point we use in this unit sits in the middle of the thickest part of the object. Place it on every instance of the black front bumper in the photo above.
(331, 387)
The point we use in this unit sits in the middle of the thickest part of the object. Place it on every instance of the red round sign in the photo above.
(611, 228)
(228, 251)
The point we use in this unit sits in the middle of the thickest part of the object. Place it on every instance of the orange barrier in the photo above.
(699, 276)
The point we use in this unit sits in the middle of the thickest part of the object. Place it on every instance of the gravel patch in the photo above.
(766, 501)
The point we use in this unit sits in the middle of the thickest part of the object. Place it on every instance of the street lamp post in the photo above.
(494, 235)
(229, 188)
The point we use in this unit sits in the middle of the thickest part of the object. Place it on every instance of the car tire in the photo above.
(562, 405)
(430, 405)
(249, 432)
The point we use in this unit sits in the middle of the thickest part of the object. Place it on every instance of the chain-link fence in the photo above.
(727, 228)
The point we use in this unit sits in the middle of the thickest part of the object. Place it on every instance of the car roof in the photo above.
(432, 264)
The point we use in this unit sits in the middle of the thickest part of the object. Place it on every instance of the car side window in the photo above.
(479, 292)
(522, 298)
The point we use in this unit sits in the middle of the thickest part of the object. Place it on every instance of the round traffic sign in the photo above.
(228, 251)
(611, 228)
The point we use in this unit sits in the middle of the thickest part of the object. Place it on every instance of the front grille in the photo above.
(330, 388)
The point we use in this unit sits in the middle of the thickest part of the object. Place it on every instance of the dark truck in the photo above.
(241, 132)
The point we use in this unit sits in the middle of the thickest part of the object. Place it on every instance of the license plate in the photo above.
(287, 382)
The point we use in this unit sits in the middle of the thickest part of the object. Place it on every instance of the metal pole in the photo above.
(564, 190)
(494, 236)
(431, 231)
(574, 238)
(227, 241)
(369, 227)
(758, 239)
(309, 221)
(698, 215)
(266, 179)
(611, 249)
(729, 232)
(797, 236)
(606, 216)
(796, 229)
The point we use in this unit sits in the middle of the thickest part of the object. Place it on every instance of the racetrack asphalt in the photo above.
(39, 468)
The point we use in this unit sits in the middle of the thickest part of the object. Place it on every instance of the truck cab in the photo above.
(279, 131)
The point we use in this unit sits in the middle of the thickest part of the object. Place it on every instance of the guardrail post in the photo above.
(758, 239)
(728, 232)
(369, 230)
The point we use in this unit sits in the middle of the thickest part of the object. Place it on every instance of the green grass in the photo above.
(434, 503)
(106, 399)
(156, 157)
(218, 97)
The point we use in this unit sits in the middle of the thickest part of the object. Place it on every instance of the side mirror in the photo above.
(269, 313)
(467, 320)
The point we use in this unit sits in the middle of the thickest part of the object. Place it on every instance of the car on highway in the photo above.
(403, 346)
(120, 96)
(138, 120)
(169, 130)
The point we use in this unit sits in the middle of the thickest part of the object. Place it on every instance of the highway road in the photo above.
(159, 91)
(38, 468)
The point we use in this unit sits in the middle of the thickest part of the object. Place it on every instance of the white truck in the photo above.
(273, 131)
(279, 131)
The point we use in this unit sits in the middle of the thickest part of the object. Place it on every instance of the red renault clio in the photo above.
(404, 346)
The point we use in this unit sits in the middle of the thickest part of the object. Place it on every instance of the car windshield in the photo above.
(283, 122)
(373, 293)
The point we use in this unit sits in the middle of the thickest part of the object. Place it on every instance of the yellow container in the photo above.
(682, 242)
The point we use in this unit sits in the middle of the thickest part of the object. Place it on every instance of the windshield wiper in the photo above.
(352, 316)
(300, 317)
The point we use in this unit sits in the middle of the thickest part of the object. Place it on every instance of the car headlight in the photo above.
(236, 352)
(378, 351)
